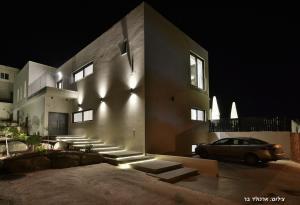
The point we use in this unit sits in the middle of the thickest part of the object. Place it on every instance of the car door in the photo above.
(220, 148)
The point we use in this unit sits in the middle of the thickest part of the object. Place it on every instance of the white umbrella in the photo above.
(233, 114)
(215, 113)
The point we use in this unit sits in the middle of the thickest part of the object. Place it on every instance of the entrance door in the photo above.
(57, 123)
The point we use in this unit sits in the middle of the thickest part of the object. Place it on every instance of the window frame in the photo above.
(82, 68)
(197, 57)
(198, 109)
(82, 116)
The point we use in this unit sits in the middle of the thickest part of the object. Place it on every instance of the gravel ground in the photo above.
(96, 184)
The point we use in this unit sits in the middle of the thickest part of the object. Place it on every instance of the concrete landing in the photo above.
(176, 175)
(157, 166)
(122, 154)
(115, 161)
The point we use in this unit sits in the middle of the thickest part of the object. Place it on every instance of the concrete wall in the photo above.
(282, 138)
(34, 109)
(6, 86)
(120, 118)
(169, 128)
(5, 110)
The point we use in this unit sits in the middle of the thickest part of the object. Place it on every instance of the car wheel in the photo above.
(203, 153)
(251, 159)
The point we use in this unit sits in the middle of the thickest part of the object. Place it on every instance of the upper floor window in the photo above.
(4, 76)
(83, 72)
(197, 114)
(197, 71)
(59, 84)
(83, 116)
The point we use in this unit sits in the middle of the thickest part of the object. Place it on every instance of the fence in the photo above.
(250, 124)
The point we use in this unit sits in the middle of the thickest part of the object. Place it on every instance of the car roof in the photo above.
(240, 138)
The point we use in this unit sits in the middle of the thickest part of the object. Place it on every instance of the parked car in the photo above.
(248, 149)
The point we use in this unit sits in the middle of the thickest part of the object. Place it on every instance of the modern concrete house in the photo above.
(143, 84)
(7, 79)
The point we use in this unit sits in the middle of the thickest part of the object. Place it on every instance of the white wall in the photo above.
(5, 110)
(282, 138)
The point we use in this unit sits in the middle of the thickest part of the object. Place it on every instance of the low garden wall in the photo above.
(51, 160)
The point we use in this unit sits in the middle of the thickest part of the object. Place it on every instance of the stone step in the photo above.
(122, 154)
(87, 142)
(176, 175)
(125, 160)
(157, 166)
(95, 145)
(108, 148)
(69, 136)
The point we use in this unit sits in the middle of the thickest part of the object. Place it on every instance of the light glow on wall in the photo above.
(233, 114)
(132, 80)
(59, 75)
(215, 113)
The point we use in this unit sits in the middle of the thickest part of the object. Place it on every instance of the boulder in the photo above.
(60, 146)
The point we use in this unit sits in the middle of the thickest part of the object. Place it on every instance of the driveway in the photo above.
(275, 181)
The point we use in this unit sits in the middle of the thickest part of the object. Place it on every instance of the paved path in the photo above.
(237, 181)
(96, 184)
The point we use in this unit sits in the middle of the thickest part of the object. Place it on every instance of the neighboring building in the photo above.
(7, 79)
(143, 84)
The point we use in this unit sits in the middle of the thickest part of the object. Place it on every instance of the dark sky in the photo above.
(253, 52)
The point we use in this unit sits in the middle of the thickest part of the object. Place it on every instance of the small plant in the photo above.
(11, 132)
(88, 148)
(40, 149)
(32, 141)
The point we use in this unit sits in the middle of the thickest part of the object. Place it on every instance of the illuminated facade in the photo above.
(143, 84)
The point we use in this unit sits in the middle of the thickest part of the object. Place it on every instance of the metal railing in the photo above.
(250, 124)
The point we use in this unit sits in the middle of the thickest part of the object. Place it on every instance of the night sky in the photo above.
(253, 52)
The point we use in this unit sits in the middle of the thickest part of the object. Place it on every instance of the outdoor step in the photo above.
(69, 136)
(122, 154)
(86, 144)
(157, 166)
(108, 148)
(176, 175)
(125, 160)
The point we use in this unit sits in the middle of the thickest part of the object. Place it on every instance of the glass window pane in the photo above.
(200, 73)
(77, 117)
(88, 70)
(78, 76)
(200, 115)
(193, 70)
(88, 115)
(193, 114)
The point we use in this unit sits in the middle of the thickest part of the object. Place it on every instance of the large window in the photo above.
(83, 116)
(197, 71)
(83, 72)
(198, 115)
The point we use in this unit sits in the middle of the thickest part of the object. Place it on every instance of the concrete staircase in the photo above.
(112, 154)
(163, 170)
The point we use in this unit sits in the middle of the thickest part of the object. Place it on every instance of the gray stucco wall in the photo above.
(120, 119)
(169, 128)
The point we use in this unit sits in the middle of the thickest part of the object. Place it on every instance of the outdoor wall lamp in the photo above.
(101, 99)
(131, 90)
(124, 47)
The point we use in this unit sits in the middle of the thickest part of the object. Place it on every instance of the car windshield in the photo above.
(222, 141)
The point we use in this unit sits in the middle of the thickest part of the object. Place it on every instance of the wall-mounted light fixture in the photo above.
(79, 107)
(124, 47)
(59, 75)
(131, 90)
(101, 99)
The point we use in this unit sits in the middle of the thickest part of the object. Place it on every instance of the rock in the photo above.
(60, 146)
(91, 158)
(13, 147)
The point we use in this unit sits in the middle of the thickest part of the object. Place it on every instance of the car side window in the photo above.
(244, 142)
(236, 142)
(221, 142)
